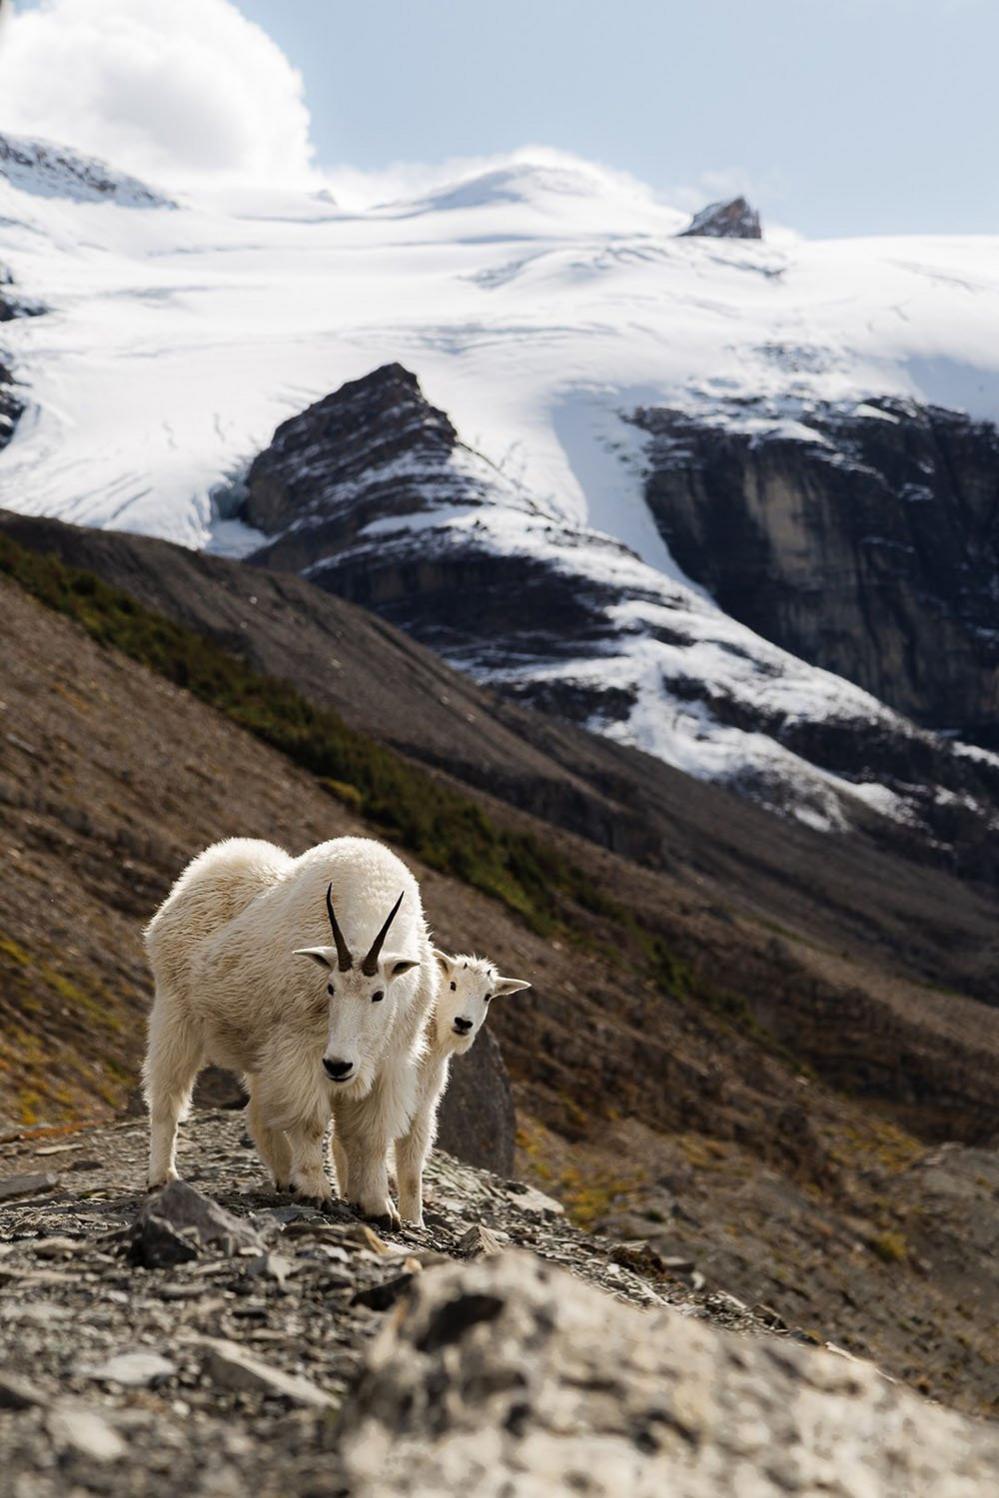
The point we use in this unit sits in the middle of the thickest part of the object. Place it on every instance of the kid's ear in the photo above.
(508, 985)
(443, 962)
(322, 956)
(394, 965)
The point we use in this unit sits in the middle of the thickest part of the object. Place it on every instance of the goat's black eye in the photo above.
(488, 997)
(331, 990)
(454, 987)
(376, 998)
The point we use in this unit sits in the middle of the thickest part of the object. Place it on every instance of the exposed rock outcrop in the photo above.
(11, 406)
(731, 219)
(865, 540)
(12, 304)
(51, 170)
(477, 1119)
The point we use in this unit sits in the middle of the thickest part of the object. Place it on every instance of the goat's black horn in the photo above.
(370, 964)
(344, 957)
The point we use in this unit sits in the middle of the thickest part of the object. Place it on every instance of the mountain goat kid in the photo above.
(468, 986)
(226, 950)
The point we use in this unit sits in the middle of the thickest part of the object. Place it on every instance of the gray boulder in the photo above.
(173, 1226)
(508, 1376)
(477, 1119)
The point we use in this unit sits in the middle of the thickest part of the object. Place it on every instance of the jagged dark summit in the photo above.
(732, 219)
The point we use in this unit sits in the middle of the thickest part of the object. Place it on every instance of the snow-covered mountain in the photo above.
(43, 168)
(541, 303)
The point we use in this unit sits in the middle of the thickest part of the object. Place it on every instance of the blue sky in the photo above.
(835, 116)
(848, 116)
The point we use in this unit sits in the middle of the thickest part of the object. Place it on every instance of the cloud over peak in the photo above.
(176, 92)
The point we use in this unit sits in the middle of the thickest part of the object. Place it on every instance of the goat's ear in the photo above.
(443, 962)
(322, 956)
(508, 985)
(394, 965)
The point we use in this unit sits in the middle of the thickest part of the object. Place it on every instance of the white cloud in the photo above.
(174, 90)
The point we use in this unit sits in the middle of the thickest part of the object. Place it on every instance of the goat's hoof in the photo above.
(384, 1218)
(309, 1198)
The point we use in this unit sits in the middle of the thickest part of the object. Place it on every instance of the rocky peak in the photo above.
(381, 423)
(734, 219)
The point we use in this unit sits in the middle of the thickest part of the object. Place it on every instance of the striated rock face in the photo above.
(734, 219)
(865, 541)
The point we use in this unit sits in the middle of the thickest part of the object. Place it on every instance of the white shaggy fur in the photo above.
(467, 987)
(246, 977)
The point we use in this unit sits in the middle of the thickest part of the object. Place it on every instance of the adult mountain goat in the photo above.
(246, 978)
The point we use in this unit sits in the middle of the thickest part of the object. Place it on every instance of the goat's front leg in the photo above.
(365, 1143)
(308, 1177)
(411, 1153)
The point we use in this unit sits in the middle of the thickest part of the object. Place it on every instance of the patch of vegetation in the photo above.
(44, 1013)
(891, 1248)
(445, 829)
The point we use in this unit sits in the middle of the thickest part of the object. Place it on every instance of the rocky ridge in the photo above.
(212, 1343)
(50, 170)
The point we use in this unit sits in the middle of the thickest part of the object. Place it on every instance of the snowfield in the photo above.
(537, 301)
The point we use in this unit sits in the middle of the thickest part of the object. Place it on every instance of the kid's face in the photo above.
(467, 988)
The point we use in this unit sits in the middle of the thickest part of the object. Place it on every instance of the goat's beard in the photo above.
(357, 1087)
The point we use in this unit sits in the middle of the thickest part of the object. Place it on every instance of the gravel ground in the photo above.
(226, 1371)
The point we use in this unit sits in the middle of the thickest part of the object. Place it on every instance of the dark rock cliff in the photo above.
(865, 541)
(10, 406)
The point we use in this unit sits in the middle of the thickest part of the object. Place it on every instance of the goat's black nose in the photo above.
(338, 1070)
(463, 1026)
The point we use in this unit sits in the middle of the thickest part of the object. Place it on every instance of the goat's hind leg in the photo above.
(173, 1060)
